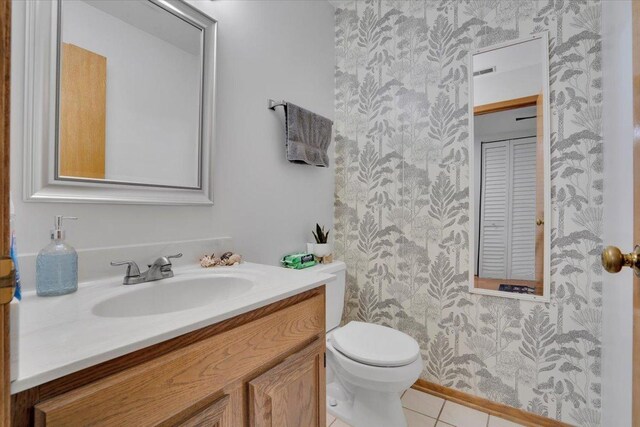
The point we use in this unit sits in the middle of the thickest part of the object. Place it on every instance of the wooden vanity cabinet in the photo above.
(263, 368)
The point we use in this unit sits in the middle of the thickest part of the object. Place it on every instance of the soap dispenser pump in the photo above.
(57, 264)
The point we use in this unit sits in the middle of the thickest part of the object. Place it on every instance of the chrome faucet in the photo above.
(160, 269)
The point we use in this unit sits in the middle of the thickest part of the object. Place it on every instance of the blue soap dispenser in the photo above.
(57, 264)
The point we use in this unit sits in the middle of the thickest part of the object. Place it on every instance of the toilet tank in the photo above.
(334, 292)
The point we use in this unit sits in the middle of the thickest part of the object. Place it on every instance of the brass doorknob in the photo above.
(539, 221)
(613, 259)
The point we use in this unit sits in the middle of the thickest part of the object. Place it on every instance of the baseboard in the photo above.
(493, 408)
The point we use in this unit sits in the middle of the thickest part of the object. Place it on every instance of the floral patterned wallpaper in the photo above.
(402, 199)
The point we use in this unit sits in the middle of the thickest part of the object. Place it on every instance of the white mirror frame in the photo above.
(546, 275)
(41, 75)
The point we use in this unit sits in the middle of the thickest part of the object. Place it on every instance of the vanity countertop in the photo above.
(62, 335)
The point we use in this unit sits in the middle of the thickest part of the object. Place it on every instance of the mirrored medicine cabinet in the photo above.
(121, 95)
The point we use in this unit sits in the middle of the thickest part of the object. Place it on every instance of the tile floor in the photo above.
(426, 410)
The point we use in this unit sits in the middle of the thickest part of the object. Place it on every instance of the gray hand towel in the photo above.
(308, 136)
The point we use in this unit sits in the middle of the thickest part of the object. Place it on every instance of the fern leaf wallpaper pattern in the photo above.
(402, 197)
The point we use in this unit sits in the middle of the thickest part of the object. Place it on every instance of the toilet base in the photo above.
(365, 408)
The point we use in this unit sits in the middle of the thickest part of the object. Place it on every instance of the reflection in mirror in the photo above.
(510, 183)
(130, 82)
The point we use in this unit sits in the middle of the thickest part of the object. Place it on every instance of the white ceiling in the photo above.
(154, 20)
(505, 122)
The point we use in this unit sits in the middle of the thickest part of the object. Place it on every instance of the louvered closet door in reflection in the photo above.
(521, 247)
(493, 210)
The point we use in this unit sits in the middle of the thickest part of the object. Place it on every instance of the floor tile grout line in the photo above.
(438, 418)
(444, 402)
(419, 413)
(448, 424)
(447, 400)
(334, 419)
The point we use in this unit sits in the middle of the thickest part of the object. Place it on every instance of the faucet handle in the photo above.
(132, 267)
(164, 262)
(175, 256)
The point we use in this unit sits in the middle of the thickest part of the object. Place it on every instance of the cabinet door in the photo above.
(216, 411)
(291, 394)
(216, 414)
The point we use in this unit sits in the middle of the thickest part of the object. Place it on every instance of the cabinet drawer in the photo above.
(162, 389)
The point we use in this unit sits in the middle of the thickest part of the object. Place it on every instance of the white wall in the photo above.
(152, 97)
(508, 85)
(518, 73)
(618, 211)
(277, 49)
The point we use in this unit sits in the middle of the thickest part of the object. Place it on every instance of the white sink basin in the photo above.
(171, 295)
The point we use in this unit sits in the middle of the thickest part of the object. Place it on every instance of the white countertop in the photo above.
(61, 335)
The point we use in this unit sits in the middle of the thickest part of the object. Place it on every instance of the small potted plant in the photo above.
(322, 247)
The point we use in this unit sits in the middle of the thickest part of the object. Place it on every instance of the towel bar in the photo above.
(271, 104)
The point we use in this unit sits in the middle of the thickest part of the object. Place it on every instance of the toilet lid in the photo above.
(375, 345)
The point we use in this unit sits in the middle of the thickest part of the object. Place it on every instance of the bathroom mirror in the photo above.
(510, 169)
(122, 92)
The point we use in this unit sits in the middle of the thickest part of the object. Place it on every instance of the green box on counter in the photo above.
(298, 261)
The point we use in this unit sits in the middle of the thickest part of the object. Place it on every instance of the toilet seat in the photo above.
(375, 345)
(368, 375)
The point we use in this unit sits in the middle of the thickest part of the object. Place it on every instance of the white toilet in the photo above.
(368, 366)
